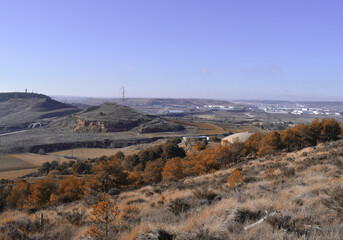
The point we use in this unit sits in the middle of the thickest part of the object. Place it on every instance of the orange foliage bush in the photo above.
(173, 169)
(109, 174)
(153, 172)
(206, 162)
(104, 216)
(41, 192)
(236, 179)
(107, 219)
(18, 195)
(71, 189)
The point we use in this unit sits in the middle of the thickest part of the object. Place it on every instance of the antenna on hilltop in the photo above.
(122, 93)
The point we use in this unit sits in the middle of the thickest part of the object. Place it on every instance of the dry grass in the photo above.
(16, 173)
(181, 210)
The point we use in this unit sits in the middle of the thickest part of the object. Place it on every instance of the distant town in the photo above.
(296, 108)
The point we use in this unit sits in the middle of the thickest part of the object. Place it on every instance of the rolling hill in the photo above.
(19, 110)
(112, 117)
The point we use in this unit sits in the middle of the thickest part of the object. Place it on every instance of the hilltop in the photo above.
(112, 117)
(19, 110)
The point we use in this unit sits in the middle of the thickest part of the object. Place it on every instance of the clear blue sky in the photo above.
(243, 49)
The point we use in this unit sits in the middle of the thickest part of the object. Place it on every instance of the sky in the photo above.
(222, 49)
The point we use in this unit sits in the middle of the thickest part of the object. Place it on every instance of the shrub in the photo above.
(41, 192)
(76, 217)
(201, 145)
(109, 174)
(171, 150)
(236, 179)
(45, 168)
(173, 169)
(131, 161)
(104, 218)
(153, 172)
(178, 206)
(335, 200)
(207, 195)
(71, 189)
(241, 215)
(18, 195)
(82, 168)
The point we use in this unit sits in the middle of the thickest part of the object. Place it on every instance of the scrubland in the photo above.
(280, 185)
(304, 189)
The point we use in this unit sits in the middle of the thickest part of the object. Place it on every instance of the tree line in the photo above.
(165, 162)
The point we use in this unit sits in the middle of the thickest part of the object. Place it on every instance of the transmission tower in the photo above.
(122, 93)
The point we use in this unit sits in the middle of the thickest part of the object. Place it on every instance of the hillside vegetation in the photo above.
(280, 185)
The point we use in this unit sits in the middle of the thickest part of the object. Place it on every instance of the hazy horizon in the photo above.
(263, 50)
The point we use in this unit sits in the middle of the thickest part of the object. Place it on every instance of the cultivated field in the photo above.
(89, 153)
(16, 165)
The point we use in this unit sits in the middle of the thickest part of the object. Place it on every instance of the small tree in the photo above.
(153, 172)
(330, 129)
(173, 169)
(17, 196)
(41, 192)
(171, 150)
(105, 214)
(71, 189)
(288, 138)
(109, 175)
(236, 179)
(82, 168)
(44, 168)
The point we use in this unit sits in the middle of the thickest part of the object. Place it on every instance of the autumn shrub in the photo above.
(107, 220)
(206, 162)
(41, 192)
(71, 189)
(236, 179)
(109, 174)
(104, 217)
(130, 161)
(173, 169)
(153, 172)
(83, 167)
(18, 195)
(254, 142)
(135, 178)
